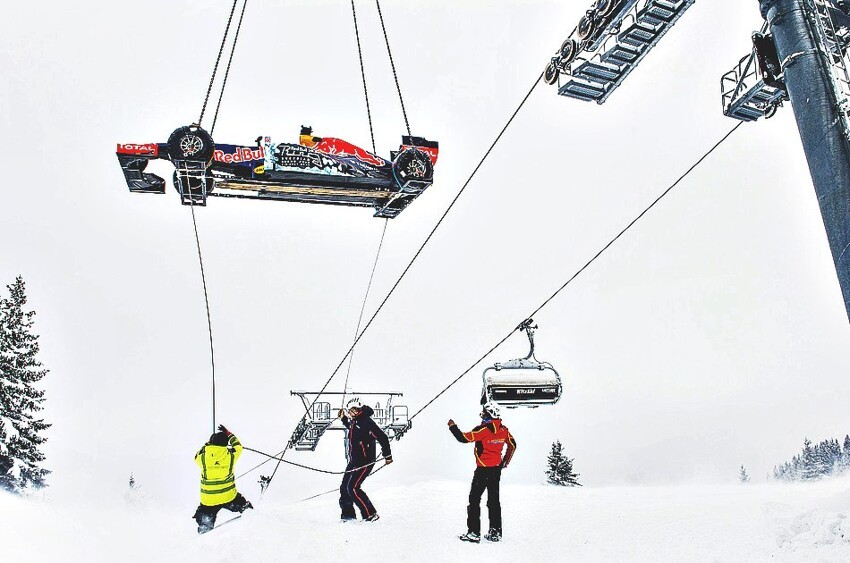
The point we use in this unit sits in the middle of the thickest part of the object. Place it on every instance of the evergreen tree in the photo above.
(554, 462)
(743, 477)
(808, 464)
(20, 400)
(560, 468)
(845, 454)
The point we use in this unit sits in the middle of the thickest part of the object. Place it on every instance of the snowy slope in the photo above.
(765, 522)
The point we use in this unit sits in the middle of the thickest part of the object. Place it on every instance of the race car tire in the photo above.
(191, 143)
(550, 75)
(569, 50)
(586, 25)
(411, 164)
(604, 7)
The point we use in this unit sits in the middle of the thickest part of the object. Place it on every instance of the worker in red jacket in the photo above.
(490, 439)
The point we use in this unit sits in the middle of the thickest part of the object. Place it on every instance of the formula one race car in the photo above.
(317, 170)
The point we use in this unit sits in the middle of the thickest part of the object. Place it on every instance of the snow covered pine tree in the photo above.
(560, 467)
(20, 370)
(743, 477)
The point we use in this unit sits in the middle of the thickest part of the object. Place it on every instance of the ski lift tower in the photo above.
(801, 54)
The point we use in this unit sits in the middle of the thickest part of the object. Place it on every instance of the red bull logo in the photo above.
(242, 154)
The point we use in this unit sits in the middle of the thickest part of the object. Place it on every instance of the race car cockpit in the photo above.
(316, 170)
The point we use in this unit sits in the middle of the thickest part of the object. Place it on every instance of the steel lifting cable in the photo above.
(430, 235)
(588, 263)
(217, 61)
(229, 62)
(329, 491)
(363, 306)
(191, 199)
(310, 468)
(282, 453)
(392, 64)
(363, 75)
(206, 303)
(416, 255)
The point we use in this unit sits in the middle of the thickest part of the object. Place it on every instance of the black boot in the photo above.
(206, 522)
(493, 535)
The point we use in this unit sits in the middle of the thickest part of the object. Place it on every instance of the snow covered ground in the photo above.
(755, 522)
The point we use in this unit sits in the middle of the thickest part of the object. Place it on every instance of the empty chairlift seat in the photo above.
(523, 382)
(399, 421)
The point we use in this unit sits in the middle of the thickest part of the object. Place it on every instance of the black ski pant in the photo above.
(350, 492)
(205, 515)
(484, 478)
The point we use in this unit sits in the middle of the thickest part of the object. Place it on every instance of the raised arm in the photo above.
(474, 435)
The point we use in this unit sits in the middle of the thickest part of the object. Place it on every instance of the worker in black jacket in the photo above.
(362, 433)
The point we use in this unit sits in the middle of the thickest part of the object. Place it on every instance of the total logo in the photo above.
(148, 149)
(242, 154)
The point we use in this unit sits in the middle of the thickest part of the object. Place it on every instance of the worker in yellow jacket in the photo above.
(216, 460)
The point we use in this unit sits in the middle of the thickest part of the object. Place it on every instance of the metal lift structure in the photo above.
(320, 417)
(800, 55)
(754, 88)
(610, 40)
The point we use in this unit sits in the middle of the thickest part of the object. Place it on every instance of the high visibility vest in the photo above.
(218, 483)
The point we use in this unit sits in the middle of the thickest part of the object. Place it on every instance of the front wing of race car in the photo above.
(203, 169)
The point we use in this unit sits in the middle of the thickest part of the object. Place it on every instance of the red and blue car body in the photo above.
(317, 170)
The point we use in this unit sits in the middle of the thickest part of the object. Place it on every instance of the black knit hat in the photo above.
(218, 439)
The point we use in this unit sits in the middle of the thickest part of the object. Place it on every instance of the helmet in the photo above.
(354, 403)
(493, 409)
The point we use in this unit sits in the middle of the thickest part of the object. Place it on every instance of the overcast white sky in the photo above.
(712, 335)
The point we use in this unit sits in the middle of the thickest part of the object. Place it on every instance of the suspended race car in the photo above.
(320, 417)
(316, 170)
(524, 382)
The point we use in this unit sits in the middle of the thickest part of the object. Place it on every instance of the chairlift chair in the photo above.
(523, 382)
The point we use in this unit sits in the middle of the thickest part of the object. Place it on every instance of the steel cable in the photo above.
(217, 61)
(588, 263)
(363, 76)
(229, 62)
(418, 252)
(392, 65)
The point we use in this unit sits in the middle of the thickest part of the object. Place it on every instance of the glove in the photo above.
(451, 422)
(388, 460)
(221, 428)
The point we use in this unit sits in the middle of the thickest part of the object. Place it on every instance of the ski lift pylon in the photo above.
(523, 382)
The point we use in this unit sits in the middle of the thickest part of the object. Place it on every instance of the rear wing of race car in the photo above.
(134, 159)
